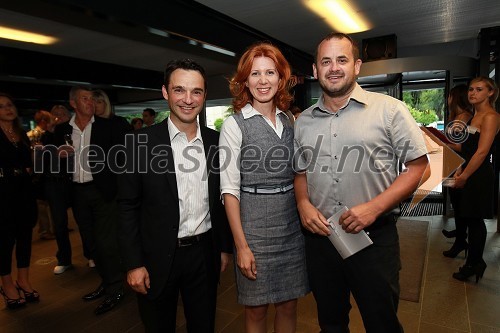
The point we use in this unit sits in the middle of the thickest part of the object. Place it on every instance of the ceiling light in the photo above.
(339, 15)
(25, 36)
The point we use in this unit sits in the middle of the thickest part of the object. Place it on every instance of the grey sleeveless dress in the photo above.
(270, 221)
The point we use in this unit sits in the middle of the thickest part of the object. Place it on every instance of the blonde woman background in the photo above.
(476, 178)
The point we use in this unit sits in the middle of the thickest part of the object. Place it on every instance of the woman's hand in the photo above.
(246, 263)
(460, 181)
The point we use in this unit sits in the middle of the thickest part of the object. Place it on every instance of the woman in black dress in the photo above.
(17, 206)
(476, 177)
(460, 115)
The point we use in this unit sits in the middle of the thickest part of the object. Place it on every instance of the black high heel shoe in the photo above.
(449, 234)
(455, 249)
(31, 297)
(12, 303)
(467, 271)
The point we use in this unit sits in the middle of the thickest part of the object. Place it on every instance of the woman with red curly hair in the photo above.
(256, 147)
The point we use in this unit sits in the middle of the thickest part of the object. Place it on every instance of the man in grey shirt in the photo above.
(348, 148)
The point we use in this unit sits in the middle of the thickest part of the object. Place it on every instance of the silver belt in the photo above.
(267, 189)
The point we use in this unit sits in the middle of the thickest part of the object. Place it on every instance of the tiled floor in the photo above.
(446, 305)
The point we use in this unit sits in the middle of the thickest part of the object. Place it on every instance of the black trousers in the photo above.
(58, 195)
(460, 223)
(195, 276)
(371, 275)
(477, 239)
(20, 236)
(18, 217)
(97, 220)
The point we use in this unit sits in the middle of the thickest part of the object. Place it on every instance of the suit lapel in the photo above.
(164, 138)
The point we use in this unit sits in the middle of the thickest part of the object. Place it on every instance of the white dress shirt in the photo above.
(192, 182)
(81, 144)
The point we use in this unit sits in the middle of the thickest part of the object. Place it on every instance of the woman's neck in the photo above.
(483, 107)
(266, 109)
(7, 125)
(9, 131)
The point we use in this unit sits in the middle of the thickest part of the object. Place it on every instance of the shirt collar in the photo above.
(173, 131)
(248, 111)
(357, 94)
(73, 124)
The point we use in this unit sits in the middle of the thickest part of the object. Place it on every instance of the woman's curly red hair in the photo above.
(241, 93)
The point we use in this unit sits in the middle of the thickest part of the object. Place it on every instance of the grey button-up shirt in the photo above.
(352, 155)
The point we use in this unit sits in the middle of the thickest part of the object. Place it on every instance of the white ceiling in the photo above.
(135, 51)
(422, 27)
(415, 22)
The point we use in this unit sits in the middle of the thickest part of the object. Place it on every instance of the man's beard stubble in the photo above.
(341, 92)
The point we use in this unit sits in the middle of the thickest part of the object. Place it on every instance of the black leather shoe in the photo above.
(99, 292)
(109, 303)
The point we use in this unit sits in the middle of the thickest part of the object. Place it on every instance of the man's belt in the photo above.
(191, 240)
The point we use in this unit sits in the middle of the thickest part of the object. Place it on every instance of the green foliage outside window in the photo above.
(427, 104)
(218, 122)
(423, 117)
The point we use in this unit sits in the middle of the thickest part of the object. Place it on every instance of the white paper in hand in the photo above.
(346, 244)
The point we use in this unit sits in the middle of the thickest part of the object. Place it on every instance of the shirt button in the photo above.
(335, 156)
(340, 203)
(336, 115)
(335, 134)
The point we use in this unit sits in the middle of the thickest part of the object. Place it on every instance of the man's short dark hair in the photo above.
(186, 64)
(339, 35)
(150, 111)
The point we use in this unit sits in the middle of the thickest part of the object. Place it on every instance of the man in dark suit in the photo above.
(174, 234)
(86, 141)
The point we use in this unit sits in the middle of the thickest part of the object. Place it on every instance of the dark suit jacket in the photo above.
(149, 203)
(105, 134)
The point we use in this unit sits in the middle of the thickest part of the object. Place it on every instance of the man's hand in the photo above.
(138, 280)
(312, 219)
(358, 217)
(224, 261)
